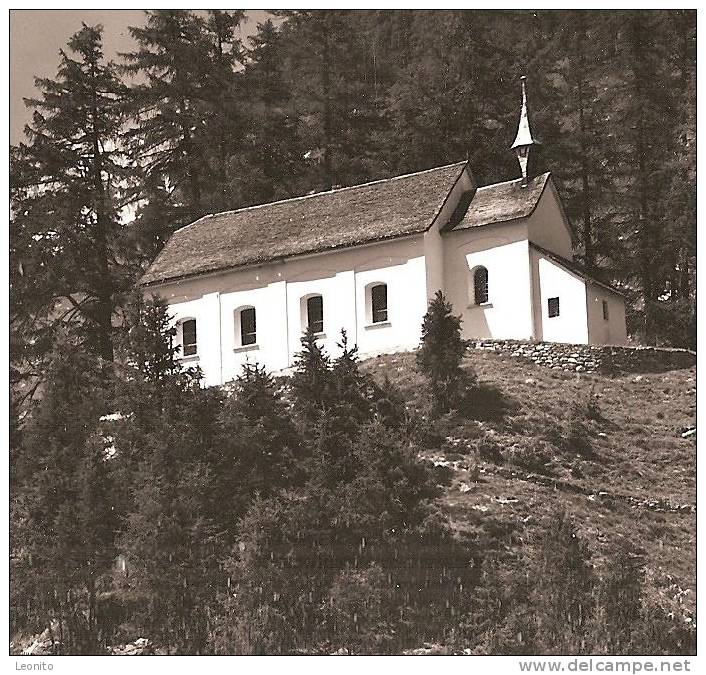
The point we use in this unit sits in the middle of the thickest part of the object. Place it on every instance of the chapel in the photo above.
(243, 285)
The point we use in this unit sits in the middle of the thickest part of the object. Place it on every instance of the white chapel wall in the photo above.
(343, 278)
(571, 325)
(602, 331)
(503, 250)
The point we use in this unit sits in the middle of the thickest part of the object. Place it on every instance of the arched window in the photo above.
(378, 303)
(188, 337)
(315, 313)
(480, 285)
(245, 327)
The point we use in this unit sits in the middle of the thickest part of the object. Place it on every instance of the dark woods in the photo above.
(286, 517)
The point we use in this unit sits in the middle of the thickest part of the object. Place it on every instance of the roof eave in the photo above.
(566, 264)
(277, 259)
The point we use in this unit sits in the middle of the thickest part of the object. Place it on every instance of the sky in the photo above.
(36, 36)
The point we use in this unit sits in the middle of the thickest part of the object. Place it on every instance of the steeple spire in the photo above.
(524, 140)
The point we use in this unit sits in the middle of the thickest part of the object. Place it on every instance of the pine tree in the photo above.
(64, 543)
(70, 185)
(441, 351)
(164, 445)
(173, 63)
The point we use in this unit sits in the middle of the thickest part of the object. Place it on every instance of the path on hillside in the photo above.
(601, 496)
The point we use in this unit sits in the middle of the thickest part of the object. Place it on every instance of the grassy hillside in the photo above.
(608, 450)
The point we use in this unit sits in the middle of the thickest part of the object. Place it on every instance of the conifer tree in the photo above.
(164, 444)
(351, 391)
(68, 186)
(258, 450)
(172, 60)
(271, 165)
(66, 523)
(224, 114)
(310, 383)
(441, 351)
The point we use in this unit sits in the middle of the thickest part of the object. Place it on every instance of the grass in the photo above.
(590, 433)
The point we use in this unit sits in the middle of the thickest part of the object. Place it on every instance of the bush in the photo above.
(440, 354)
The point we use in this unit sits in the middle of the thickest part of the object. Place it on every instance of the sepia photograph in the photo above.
(362, 332)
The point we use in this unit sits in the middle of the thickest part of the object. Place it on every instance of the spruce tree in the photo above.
(258, 449)
(271, 165)
(310, 383)
(63, 501)
(440, 353)
(224, 105)
(70, 183)
(173, 66)
(164, 446)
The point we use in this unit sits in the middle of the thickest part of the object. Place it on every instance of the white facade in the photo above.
(522, 283)
(279, 292)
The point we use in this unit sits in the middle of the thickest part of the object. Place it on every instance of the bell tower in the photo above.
(524, 141)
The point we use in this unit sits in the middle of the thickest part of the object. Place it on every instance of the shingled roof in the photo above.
(324, 221)
(500, 202)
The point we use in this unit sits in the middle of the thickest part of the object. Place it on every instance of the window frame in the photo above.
(307, 313)
(379, 315)
(240, 333)
(606, 310)
(182, 338)
(550, 313)
(478, 298)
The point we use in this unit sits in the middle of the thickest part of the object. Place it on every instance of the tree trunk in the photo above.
(104, 293)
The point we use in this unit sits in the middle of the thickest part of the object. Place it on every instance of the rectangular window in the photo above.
(605, 310)
(188, 337)
(379, 303)
(553, 307)
(315, 313)
(248, 332)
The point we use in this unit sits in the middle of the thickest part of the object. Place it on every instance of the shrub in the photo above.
(440, 353)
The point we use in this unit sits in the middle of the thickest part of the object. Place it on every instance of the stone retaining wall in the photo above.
(592, 358)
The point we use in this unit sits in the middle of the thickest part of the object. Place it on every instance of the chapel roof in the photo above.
(324, 221)
(500, 202)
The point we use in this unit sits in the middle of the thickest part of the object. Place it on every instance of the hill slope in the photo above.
(608, 450)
